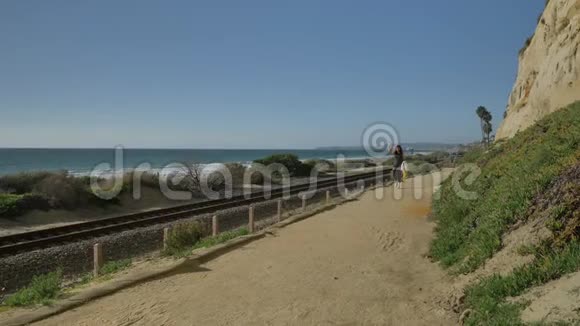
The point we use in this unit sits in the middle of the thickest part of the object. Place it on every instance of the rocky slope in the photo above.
(549, 68)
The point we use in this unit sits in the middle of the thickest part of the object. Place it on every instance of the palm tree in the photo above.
(485, 118)
(481, 113)
(487, 128)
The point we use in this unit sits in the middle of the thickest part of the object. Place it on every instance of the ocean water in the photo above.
(82, 161)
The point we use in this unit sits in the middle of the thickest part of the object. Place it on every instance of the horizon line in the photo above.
(222, 148)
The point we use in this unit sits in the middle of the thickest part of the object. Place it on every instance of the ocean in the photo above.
(82, 161)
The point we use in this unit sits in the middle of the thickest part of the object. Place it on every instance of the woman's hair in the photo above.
(399, 150)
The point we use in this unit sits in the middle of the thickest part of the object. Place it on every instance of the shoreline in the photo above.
(15, 164)
(33, 217)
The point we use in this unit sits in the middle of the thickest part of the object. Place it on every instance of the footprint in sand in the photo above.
(388, 241)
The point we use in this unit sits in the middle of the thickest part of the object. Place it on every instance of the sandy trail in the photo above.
(359, 264)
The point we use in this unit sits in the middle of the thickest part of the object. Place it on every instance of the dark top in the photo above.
(398, 161)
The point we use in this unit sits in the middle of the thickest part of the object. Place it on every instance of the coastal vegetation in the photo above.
(420, 164)
(42, 290)
(182, 237)
(185, 237)
(59, 190)
(45, 190)
(106, 272)
(488, 297)
(51, 190)
(534, 175)
(113, 267)
(220, 238)
(295, 167)
(48, 190)
(287, 165)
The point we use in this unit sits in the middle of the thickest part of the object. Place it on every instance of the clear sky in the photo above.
(253, 74)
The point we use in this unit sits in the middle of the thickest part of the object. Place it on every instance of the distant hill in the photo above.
(426, 147)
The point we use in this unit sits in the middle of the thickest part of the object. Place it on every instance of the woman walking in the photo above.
(397, 167)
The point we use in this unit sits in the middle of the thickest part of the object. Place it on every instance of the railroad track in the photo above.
(28, 241)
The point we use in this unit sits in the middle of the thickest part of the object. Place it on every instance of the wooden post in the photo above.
(279, 212)
(215, 229)
(345, 192)
(303, 202)
(327, 197)
(251, 219)
(165, 237)
(97, 259)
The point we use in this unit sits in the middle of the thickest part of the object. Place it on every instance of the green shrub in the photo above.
(34, 201)
(290, 161)
(45, 190)
(42, 290)
(187, 237)
(106, 271)
(487, 298)
(182, 238)
(24, 182)
(221, 238)
(113, 267)
(217, 181)
(470, 231)
(474, 154)
(62, 191)
(10, 204)
(14, 205)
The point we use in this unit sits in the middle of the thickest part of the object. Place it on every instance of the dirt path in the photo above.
(360, 264)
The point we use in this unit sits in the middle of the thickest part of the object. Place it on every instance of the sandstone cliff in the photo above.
(549, 68)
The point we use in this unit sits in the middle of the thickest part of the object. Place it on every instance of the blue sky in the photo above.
(253, 74)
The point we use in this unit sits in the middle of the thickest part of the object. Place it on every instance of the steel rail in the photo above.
(28, 241)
